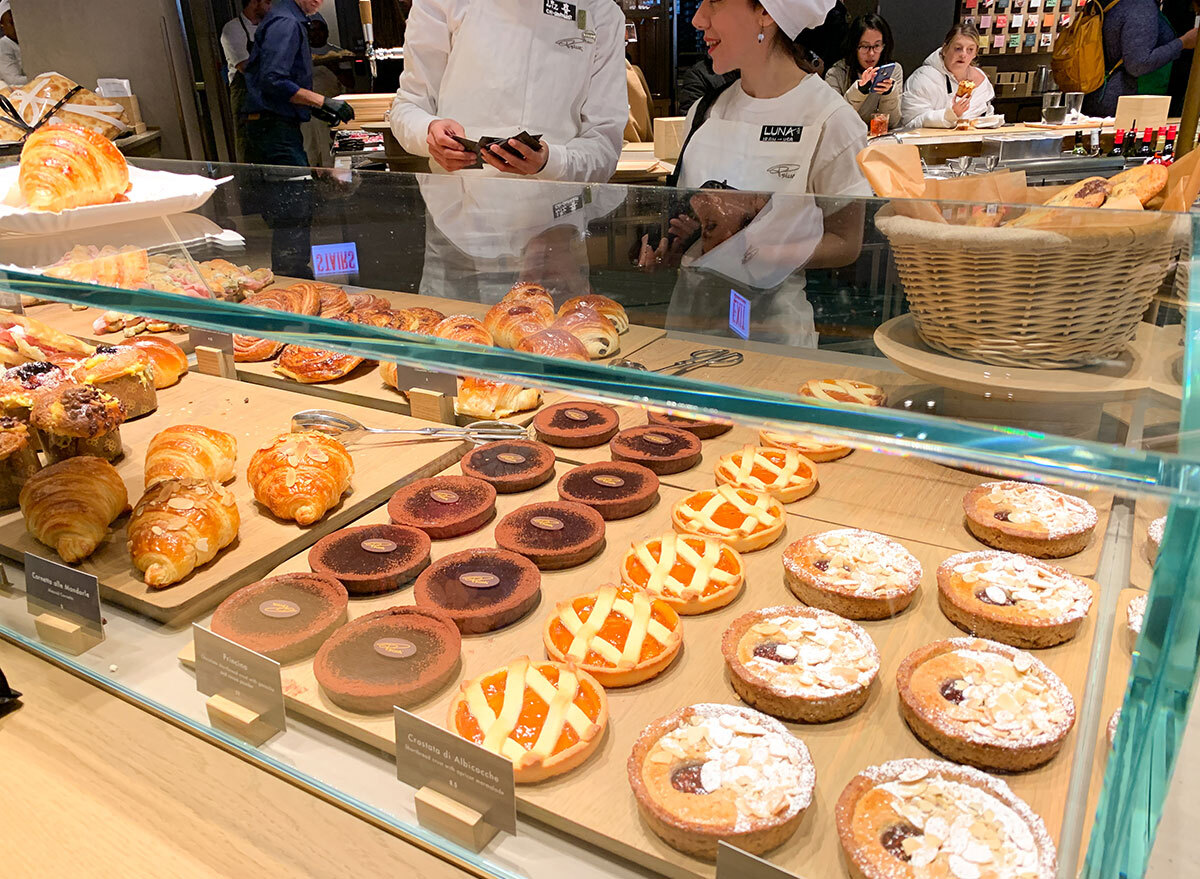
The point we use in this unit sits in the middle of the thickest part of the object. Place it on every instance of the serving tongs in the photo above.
(347, 430)
(706, 357)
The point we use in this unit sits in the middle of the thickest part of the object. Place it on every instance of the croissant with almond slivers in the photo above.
(69, 505)
(179, 525)
(191, 451)
(300, 476)
(64, 167)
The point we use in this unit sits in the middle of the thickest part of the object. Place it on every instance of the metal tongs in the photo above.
(347, 430)
(717, 357)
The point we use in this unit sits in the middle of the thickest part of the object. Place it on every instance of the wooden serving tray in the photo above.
(254, 415)
(594, 802)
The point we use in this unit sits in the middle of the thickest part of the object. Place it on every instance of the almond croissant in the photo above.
(300, 476)
(190, 451)
(179, 525)
(69, 505)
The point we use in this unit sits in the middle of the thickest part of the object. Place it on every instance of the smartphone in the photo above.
(883, 74)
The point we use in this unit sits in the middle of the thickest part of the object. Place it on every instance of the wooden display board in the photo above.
(254, 415)
(594, 802)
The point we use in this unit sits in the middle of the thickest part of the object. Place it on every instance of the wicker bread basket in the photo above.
(1030, 297)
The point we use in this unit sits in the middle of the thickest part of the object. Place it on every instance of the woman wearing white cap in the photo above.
(11, 71)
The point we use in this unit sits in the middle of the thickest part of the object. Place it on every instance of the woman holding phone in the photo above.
(867, 76)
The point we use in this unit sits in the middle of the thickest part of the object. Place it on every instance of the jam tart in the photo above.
(743, 519)
(619, 635)
(691, 573)
(986, 704)
(546, 717)
(782, 473)
(856, 574)
(800, 663)
(711, 772)
(842, 390)
(1030, 519)
(1014, 599)
(1154, 538)
(816, 450)
(925, 818)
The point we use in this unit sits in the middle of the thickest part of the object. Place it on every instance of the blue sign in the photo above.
(335, 259)
(739, 314)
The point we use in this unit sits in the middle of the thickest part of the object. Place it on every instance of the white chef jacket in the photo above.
(929, 94)
(11, 70)
(500, 66)
(234, 42)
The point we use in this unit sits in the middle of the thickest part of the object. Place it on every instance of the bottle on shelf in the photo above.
(1169, 147)
(1094, 143)
(1146, 150)
(1080, 149)
(1130, 146)
(1160, 142)
(1118, 143)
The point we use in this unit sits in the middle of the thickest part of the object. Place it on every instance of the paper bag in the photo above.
(894, 171)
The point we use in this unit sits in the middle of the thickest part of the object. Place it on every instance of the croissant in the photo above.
(463, 328)
(300, 476)
(190, 451)
(610, 308)
(302, 298)
(128, 267)
(167, 359)
(179, 525)
(368, 302)
(69, 505)
(248, 349)
(510, 322)
(313, 366)
(482, 398)
(533, 295)
(593, 329)
(334, 301)
(554, 343)
(64, 166)
(417, 320)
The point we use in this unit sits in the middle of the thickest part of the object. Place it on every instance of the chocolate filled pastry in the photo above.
(610, 308)
(18, 460)
(480, 589)
(576, 425)
(513, 321)
(419, 320)
(552, 535)
(701, 428)
(284, 618)
(593, 329)
(510, 466)
(662, 449)
(614, 489)
(125, 373)
(79, 420)
(554, 343)
(444, 506)
(369, 559)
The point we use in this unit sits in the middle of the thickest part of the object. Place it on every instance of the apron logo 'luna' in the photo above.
(786, 171)
(781, 133)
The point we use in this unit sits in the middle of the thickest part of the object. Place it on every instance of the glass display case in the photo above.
(763, 454)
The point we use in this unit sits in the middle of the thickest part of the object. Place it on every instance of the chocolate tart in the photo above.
(371, 558)
(444, 506)
(701, 428)
(553, 535)
(662, 449)
(510, 466)
(284, 618)
(399, 656)
(613, 489)
(480, 589)
(1030, 519)
(576, 425)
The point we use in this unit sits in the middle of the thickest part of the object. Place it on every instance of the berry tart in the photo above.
(710, 772)
(781, 473)
(926, 818)
(856, 574)
(842, 390)
(1154, 537)
(444, 506)
(369, 559)
(480, 589)
(664, 450)
(613, 489)
(814, 449)
(1013, 599)
(701, 428)
(691, 573)
(546, 717)
(553, 535)
(1030, 519)
(745, 520)
(619, 635)
(986, 704)
(284, 618)
(510, 466)
(800, 663)
(576, 425)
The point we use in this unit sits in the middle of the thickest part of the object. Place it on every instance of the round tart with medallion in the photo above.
(842, 390)
(399, 656)
(745, 520)
(926, 818)
(691, 573)
(781, 473)
(710, 772)
(664, 450)
(284, 618)
(546, 717)
(701, 428)
(613, 489)
(1011, 598)
(816, 450)
(480, 589)
(800, 663)
(553, 535)
(576, 425)
(1030, 519)
(444, 506)
(856, 574)
(619, 635)
(369, 559)
(510, 466)
(986, 704)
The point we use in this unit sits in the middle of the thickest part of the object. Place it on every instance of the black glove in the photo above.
(334, 111)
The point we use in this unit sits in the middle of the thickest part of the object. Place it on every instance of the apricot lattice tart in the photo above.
(842, 390)
(745, 520)
(691, 573)
(782, 473)
(816, 450)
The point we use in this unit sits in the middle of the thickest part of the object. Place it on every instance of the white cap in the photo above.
(793, 16)
(5, 6)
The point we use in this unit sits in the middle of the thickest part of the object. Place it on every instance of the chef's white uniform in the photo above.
(550, 67)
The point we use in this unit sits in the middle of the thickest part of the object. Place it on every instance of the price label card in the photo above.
(440, 382)
(739, 314)
(733, 863)
(429, 756)
(222, 342)
(51, 587)
(224, 668)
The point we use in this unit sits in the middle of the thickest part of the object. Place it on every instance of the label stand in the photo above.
(214, 361)
(65, 635)
(431, 406)
(243, 722)
(453, 820)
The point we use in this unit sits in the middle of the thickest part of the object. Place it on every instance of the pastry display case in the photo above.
(672, 503)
